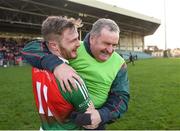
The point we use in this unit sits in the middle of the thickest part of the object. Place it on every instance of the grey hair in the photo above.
(104, 23)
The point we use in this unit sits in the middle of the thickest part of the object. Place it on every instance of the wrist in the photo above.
(105, 115)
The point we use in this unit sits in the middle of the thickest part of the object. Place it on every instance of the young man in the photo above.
(103, 70)
(53, 104)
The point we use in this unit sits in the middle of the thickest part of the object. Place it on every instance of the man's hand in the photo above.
(95, 119)
(65, 74)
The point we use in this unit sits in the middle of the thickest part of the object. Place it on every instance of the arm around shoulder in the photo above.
(37, 54)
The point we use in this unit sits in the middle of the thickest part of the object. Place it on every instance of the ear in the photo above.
(53, 46)
(91, 39)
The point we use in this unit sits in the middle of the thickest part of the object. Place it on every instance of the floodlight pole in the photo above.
(165, 30)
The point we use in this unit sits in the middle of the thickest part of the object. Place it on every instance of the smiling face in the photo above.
(103, 45)
(61, 35)
(69, 43)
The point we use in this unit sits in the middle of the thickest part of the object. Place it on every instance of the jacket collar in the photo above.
(87, 44)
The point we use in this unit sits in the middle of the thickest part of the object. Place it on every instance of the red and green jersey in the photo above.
(55, 105)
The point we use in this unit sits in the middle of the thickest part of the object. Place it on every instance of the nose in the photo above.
(110, 49)
(78, 43)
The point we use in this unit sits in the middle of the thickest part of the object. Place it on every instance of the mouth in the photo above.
(75, 50)
(105, 53)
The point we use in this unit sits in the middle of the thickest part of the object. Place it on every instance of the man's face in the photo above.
(69, 43)
(103, 46)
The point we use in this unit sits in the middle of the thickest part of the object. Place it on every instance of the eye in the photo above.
(115, 45)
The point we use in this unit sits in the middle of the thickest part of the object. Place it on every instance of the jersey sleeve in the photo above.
(80, 98)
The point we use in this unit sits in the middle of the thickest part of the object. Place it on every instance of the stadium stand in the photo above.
(135, 54)
(26, 16)
(10, 52)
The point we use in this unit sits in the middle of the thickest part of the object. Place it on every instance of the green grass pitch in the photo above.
(154, 103)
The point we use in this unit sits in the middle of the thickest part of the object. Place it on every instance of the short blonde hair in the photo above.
(55, 25)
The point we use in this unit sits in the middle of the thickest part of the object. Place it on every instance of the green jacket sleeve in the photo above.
(37, 54)
(117, 102)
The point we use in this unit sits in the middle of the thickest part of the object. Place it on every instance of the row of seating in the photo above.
(137, 54)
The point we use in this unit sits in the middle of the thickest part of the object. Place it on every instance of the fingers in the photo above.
(79, 79)
(66, 75)
(73, 83)
(70, 83)
(91, 126)
(95, 119)
(91, 106)
(62, 85)
(68, 88)
(95, 116)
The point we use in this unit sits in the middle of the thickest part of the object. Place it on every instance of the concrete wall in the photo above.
(131, 41)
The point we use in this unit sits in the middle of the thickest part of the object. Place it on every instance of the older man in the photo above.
(103, 70)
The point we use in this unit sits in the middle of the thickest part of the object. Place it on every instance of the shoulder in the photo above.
(38, 74)
(117, 58)
(81, 44)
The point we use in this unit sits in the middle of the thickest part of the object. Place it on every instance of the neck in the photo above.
(57, 53)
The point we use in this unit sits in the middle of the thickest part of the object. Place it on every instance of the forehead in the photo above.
(70, 33)
(109, 35)
(105, 32)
